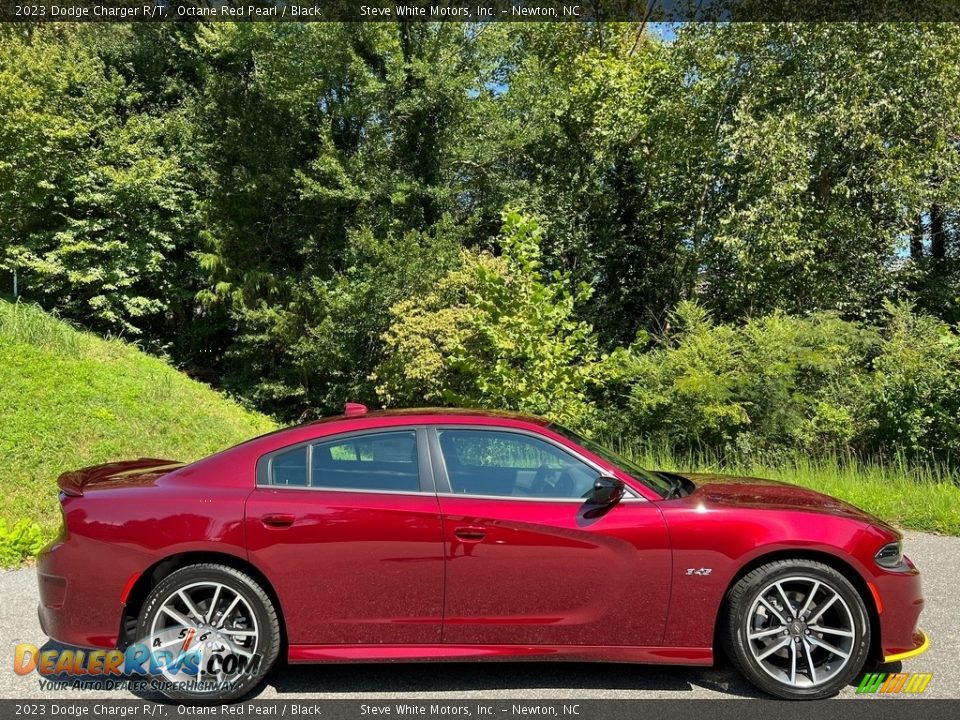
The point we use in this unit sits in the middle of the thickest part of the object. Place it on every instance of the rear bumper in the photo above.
(922, 644)
(79, 603)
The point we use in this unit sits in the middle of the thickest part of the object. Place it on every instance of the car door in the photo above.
(348, 529)
(529, 562)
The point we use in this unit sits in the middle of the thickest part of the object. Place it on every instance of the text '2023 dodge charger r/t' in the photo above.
(457, 534)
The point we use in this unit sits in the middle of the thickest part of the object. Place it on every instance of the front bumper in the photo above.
(922, 645)
(899, 602)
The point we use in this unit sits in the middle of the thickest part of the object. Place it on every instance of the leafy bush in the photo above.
(495, 333)
(24, 540)
(779, 383)
(914, 393)
(96, 202)
(777, 380)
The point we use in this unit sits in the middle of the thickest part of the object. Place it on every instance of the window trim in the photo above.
(425, 473)
(442, 477)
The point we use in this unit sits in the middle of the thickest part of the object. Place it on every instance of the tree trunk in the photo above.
(916, 238)
(938, 238)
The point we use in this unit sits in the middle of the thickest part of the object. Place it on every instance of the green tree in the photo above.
(330, 333)
(578, 143)
(495, 333)
(315, 137)
(828, 141)
(94, 197)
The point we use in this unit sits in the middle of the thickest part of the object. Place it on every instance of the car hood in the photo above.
(750, 492)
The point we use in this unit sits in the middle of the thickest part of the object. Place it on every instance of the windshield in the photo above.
(656, 483)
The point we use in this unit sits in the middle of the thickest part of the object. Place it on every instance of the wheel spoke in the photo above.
(823, 608)
(213, 604)
(226, 613)
(793, 663)
(773, 648)
(827, 646)
(200, 662)
(238, 633)
(169, 643)
(787, 607)
(191, 608)
(177, 616)
(810, 665)
(809, 600)
(234, 648)
(772, 609)
(764, 633)
(832, 631)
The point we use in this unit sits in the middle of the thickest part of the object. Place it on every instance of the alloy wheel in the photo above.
(210, 620)
(800, 631)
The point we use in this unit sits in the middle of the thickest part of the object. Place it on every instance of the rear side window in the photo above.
(289, 468)
(383, 461)
(377, 461)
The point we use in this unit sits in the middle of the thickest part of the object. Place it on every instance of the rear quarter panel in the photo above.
(113, 535)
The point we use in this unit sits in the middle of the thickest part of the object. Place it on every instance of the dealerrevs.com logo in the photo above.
(195, 665)
(894, 683)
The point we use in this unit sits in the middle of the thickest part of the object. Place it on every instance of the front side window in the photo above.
(655, 482)
(376, 461)
(506, 464)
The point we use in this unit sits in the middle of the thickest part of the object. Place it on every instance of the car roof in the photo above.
(255, 447)
(371, 419)
(451, 413)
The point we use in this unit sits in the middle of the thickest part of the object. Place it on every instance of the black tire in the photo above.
(257, 600)
(738, 621)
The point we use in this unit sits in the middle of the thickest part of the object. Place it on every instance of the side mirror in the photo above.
(606, 491)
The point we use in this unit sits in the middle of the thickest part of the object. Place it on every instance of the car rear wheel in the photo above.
(213, 633)
(797, 629)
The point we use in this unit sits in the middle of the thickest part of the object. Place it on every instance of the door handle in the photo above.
(470, 534)
(278, 520)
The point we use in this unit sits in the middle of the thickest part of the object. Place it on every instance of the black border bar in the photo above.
(480, 11)
(478, 708)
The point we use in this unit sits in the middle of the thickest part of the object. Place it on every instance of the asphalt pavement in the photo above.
(938, 558)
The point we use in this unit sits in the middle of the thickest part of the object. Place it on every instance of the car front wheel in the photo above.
(797, 629)
(212, 632)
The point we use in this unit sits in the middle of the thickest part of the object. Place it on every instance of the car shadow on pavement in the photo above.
(610, 680)
(607, 680)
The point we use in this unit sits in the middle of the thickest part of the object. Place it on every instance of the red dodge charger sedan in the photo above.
(457, 534)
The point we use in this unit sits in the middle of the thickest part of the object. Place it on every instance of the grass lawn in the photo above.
(72, 399)
(921, 498)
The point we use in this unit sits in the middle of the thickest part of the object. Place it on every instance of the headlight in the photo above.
(890, 555)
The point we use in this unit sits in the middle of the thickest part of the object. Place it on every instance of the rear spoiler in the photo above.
(73, 483)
